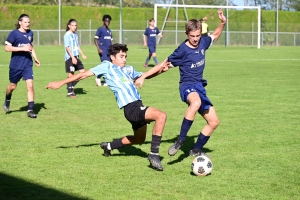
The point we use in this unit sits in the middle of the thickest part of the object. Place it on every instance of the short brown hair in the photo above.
(192, 25)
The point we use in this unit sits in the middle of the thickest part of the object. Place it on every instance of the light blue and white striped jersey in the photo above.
(120, 81)
(71, 40)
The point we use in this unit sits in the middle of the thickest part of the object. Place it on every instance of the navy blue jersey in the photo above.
(104, 37)
(191, 61)
(151, 36)
(21, 59)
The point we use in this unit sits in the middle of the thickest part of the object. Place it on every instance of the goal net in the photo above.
(242, 27)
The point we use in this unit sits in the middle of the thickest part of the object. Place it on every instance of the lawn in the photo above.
(255, 149)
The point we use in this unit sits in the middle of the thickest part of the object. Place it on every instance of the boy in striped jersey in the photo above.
(120, 79)
(72, 51)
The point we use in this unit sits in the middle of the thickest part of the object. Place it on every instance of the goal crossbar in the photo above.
(211, 6)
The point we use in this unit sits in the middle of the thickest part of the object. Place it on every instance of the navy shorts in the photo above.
(199, 88)
(71, 68)
(135, 114)
(15, 75)
(152, 49)
(104, 56)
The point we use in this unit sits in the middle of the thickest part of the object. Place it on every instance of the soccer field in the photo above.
(255, 149)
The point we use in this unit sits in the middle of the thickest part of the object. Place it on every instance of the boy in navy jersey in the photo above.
(190, 57)
(103, 39)
(19, 42)
(120, 79)
(72, 51)
(149, 37)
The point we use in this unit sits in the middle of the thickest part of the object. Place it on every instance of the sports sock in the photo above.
(185, 127)
(147, 60)
(155, 143)
(8, 97)
(201, 141)
(74, 83)
(30, 105)
(116, 144)
(155, 60)
(69, 88)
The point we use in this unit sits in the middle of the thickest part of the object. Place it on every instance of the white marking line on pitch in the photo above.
(254, 60)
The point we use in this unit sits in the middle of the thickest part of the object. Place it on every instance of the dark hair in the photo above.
(20, 19)
(106, 16)
(69, 22)
(116, 48)
(152, 19)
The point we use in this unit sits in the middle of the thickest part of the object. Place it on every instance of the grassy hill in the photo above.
(46, 17)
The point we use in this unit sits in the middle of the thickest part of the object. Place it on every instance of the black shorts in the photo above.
(135, 114)
(71, 68)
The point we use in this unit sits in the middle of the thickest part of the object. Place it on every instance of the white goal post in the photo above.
(211, 6)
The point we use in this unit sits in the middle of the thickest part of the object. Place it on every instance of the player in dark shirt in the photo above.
(190, 57)
(19, 42)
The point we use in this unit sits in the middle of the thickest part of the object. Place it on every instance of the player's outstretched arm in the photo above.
(157, 69)
(216, 34)
(79, 76)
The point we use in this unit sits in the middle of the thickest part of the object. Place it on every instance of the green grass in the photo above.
(255, 149)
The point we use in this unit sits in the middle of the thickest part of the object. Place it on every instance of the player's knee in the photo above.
(214, 123)
(195, 105)
(162, 117)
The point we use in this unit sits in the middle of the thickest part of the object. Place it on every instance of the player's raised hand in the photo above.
(53, 85)
(221, 16)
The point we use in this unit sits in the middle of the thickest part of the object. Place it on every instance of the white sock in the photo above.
(108, 146)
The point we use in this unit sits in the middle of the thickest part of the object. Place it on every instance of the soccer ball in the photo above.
(201, 166)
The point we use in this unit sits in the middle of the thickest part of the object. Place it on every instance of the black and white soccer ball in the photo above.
(202, 166)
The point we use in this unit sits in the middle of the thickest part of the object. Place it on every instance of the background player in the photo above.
(119, 78)
(19, 42)
(149, 37)
(103, 39)
(72, 50)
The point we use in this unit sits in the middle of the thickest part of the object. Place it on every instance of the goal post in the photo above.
(168, 6)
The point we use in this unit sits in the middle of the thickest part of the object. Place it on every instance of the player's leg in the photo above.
(14, 78)
(70, 69)
(30, 98)
(212, 121)
(80, 68)
(148, 57)
(194, 103)
(159, 117)
(154, 55)
(28, 77)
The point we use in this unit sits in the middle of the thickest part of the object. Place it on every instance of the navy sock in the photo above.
(201, 141)
(155, 60)
(8, 97)
(30, 105)
(147, 60)
(155, 143)
(74, 83)
(185, 127)
(117, 144)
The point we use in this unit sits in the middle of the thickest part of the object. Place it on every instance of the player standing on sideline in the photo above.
(149, 37)
(72, 50)
(19, 42)
(190, 57)
(119, 78)
(103, 39)
(205, 31)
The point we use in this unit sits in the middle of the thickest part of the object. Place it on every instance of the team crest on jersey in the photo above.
(202, 51)
(29, 38)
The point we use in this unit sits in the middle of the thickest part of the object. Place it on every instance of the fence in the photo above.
(135, 37)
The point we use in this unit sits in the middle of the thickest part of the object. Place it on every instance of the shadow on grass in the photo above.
(79, 91)
(37, 108)
(77, 146)
(13, 188)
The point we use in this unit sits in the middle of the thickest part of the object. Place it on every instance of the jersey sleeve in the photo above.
(98, 33)
(133, 73)
(176, 57)
(101, 69)
(10, 39)
(66, 40)
(145, 32)
(157, 31)
(207, 41)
